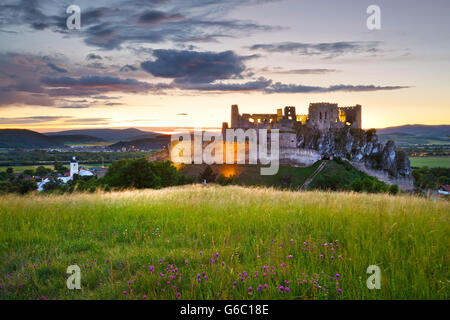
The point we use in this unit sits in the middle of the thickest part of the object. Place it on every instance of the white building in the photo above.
(74, 169)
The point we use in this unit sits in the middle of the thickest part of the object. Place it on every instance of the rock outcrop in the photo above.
(356, 145)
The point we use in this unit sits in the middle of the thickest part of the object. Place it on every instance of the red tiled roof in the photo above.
(445, 188)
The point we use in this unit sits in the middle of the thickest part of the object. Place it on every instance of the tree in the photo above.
(207, 175)
(28, 172)
(59, 168)
(53, 184)
(134, 173)
(26, 186)
(42, 171)
(167, 172)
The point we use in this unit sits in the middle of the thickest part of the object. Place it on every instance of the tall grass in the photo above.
(223, 243)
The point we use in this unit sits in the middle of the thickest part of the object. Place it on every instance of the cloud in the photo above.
(179, 21)
(128, 68)
(152, 17)
(105, 97)
(195, 67)
(56, 68)
(327, 49)
(257, 85)
(31, 80)
(94, 85)
(88, 120)
(295, 88)
(299, 71)
(28, 120)
(93, 56)
(75, 106)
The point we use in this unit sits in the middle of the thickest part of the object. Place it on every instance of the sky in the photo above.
(170, 64)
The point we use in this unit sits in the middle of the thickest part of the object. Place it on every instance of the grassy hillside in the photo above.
(223, 243)
(250, 175)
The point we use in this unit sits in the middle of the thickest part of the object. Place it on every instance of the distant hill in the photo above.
(111, 135)
(74, 139)
(21, 138)
(156, 142)
(28, 139)
(416, 134)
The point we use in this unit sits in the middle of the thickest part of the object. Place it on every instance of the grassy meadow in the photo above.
(211, 242)
(431, 162)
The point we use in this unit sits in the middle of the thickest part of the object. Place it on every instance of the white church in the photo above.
(73, 170)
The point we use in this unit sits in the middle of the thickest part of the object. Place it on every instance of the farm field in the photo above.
(431, 162)
(211, 242)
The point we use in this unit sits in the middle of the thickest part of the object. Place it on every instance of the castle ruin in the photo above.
(322, 116)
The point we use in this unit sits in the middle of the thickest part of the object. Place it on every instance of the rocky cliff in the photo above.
(356, 145)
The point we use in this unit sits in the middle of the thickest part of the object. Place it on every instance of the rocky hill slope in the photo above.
(357, 145)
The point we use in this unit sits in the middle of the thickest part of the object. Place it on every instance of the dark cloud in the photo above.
(195, 67)
(152, 17)
(56, 68)
(128, 68)
(31, 80)
(327, 49)
(93, 56)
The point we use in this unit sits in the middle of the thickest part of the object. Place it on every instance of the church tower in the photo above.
(73, 167)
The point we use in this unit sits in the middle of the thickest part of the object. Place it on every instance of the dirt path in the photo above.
(315, 173)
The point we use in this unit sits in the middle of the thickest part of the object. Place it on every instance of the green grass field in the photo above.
(223, 243)
(431, 162)
(20, 169)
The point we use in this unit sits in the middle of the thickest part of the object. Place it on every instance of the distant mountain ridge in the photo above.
(434, 131)
(112, 135)
(23, 138)
(28, 139)
(415, 134)
(146, 143)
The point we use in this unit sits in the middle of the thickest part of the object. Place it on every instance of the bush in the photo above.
(393, 189)
(226, 181)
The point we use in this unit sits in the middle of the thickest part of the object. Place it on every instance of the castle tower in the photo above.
(234, 116)
(289, 113)
(73, 167)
